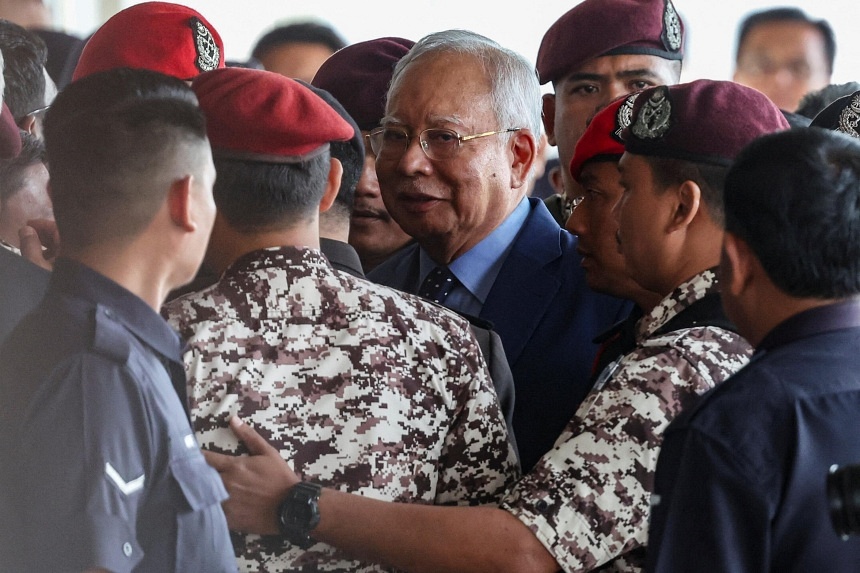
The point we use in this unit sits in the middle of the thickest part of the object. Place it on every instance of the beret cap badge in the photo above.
(624, 116)
(849, 119)
(208, 54)
(654, 116)
(672, 34)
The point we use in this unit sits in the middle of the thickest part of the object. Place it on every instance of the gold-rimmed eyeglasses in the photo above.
(436, 143)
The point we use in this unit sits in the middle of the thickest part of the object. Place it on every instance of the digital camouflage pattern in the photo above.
(587, 500)
(363, 389)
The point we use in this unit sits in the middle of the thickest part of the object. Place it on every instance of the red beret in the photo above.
(602, 138)
(597, 28)
(843, 115)
(168, 38)
(704, 121)
(358, 76)
(264, 116)
(10, 135)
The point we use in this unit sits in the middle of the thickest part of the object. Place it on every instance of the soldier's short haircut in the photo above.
(794, 198)
(114, 140)
(255, 196)
(668, 171)
(788, 15)
(25, 55)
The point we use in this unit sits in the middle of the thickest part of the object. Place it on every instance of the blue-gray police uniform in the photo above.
(740, 483)
(100, 467)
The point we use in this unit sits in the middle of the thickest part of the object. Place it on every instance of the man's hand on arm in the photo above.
(257, 483)
(413, 537)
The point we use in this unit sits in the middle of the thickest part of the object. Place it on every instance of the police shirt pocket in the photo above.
(203, 543)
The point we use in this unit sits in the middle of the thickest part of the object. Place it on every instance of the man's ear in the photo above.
(332, 187)
(179, 204)
(738, 263)
(548, 101)
(524, 150)
(28, 124)
(688, 197)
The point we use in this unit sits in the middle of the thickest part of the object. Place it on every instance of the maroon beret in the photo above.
(602, 138)
(263, 116)
(168, 38)
(597, 28)
(704, 121)
(10, 135)
(358, 76)
(843, 115)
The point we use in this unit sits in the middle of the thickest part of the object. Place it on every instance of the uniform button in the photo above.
(126, 549)
(542, 505)
(108, 313)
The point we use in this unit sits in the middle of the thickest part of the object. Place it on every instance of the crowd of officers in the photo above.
(654, 369)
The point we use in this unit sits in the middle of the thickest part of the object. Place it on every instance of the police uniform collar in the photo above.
(116, 303)
(818, 320)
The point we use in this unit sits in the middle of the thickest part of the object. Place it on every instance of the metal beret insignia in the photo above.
(654, 116)
(849, 119)
(624, 116)
(208, 54)
(671, 27)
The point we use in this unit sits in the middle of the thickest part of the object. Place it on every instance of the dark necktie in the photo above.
(438, 284)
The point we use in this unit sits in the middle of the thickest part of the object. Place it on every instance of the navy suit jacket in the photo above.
(22, 285)
(546, 316)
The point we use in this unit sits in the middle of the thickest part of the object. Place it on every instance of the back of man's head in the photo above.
(514, 88)
(794, 198)
(25, 55)
(115, 142)
(778, 15)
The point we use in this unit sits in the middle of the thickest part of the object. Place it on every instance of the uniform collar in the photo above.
(681, 297)
(836, 316)
(74, 279)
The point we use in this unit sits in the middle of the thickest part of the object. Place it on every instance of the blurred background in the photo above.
(711, 26)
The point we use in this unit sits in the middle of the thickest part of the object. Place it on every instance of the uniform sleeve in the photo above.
(708, 510)
(477, 462)
(587, 499)
(89, 469)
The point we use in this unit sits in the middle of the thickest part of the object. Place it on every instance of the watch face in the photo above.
(299, 513)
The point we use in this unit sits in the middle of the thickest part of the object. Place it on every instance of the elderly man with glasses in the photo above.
(453, 157)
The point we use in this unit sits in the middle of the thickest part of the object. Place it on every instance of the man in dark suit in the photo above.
(472, 108)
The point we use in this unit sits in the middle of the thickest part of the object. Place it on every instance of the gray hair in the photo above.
(514, 85)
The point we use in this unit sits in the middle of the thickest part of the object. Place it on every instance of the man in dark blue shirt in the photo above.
(740, 482)
(100, 466)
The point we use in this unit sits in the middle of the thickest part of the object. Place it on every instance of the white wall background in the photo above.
(711, 25)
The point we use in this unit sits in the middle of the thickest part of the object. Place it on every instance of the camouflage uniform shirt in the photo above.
(363, 388)
(587, 500)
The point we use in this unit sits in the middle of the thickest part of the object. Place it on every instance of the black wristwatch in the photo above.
(299, 513)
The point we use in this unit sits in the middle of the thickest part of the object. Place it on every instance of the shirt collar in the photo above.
(681, 297)
(75, 279)
(836, 316)
(477, 268)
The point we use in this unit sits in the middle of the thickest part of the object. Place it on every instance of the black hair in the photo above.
(710, 178)
(110, 139)
(794, 198)
(25, 55)
(253, 195)
(788, 15)
(300, 32)
(814, 103)
(13, 171)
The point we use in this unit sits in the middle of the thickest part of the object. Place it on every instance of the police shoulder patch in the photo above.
(653, 120)
(208, 53)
